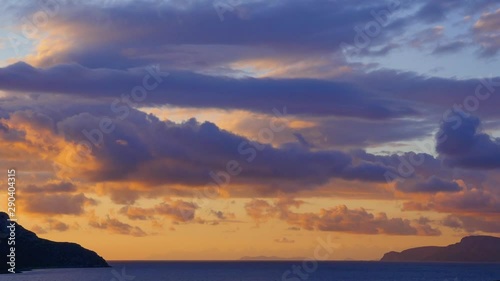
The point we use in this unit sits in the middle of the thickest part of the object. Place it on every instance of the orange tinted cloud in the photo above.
(339, 218)
(177, 211)
(117, 227)
(67, 204)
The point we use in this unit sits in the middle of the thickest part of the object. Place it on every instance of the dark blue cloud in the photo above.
(144, 149)
(434, 11)
(185, 89)
(463, 145)
(297, 27)
(432, 185)
(449, 48)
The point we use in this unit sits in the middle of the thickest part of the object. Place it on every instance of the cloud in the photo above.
(471, 200)
(432, 185)
(342, 219)
(336, 132)
(427, 36)
(224, 216)
(442, 97)
(463, 145)
(122, 195)
(117, 227)
(432, 11)
(260, 210)
(413, 169)
(490, 224)
(193, 36)
(9, 135)
(158, 158)
(379, 51)
(486, 33)
(449, 48)
(370, 101)
(53, 187)
(284, 240)
(153, 153)
(137, 213)
(57, 225)
(178, 211)
(58, 204)
(84, 69)
(197, 25)
(339, 218)
(50, 225)
(187, 89)
(436, 11)
(416, 206)
(39, 230)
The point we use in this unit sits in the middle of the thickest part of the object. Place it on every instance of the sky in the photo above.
(215, 130)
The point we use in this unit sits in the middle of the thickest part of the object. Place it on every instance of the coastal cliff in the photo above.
(33, 252)
(469, 249)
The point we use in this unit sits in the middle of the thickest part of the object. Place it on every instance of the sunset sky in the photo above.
(202, 130)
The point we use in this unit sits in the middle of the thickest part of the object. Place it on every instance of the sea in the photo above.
(267, 271)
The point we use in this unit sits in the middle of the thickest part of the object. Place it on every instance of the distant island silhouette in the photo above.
(469, 249)
(270, 258)
(32, 252)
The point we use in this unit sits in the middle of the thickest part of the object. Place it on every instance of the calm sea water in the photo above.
(268, 271)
